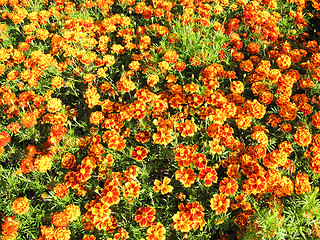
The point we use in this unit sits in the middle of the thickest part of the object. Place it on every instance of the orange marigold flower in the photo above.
(29, 120)
(60, 219)
(163, 137)
(21, 206)
(26, 165)
(152, 80)
(54, 105)
(57, 82)
(96, 118)
(122, 234)
(4, 138)
(144, 95)
(209, 175)
(43, 163)
(68, 160)
(228, 186)
(110, 195)
(61, 233)
(61, 190)
(139, 153)
(250, 168)
(219, 203)
(199, 160)
(181, 222)
(87, 237)
(316, 120)
(164, 66)
(237, 87)
(10, 228)
(253, 48)
(246, 66)
(187, 128)
(180, 66)
(142, 136)
(283, 61)
(131, 190)
(156, 232)
(145, 216)
(73, 212)
(257, 184)
(164, 186)
(170, 56)
(303, 137)
(301, 183)
(186, 176)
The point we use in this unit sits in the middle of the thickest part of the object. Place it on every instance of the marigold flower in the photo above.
(219, 203)
(61, 233)
(89, 237)
(139, 153)
(303, 137)
(301, 183)
(110, 195)
(180, 66)
(170, 56)
(162, 137)
(96, 118)
(257, 184)
(164, 186)
(43, 163)
(187, 128)
(54, 105)
(283, 61)
(131, 190)
(186, 176)
(73, 212)
(10, 228)
(228, 186)
(61, 190)
(122, 234)
(68, 160)
(145, 216)
(209, 175)
(316, 120)
(164, 66)
(153, 80)
(21, 206)
(29, 120)
(156, 232)
(60, 219)
(4, 138)
(199, 160)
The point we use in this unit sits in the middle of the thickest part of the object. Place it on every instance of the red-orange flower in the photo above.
(163, 137)
(139, 153)
(209, 175)
(164, 186)
(29, 120)
(4, 138)
(142, 136)
(186, 176)
(110, 195)
(228, 186)
(303, 137)
(145, 216)
(219, 203)
(21, 206)
(187, 128)
(60, 219)
(156, 232)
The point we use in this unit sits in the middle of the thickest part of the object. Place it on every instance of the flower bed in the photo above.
(162, 119)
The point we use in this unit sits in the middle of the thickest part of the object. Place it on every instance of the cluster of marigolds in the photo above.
(139, 97)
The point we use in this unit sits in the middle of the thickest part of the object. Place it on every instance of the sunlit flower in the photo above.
(164, 186)
(219, 203)
(228, 186)
(186, 176)
(21, 206)
(209, 175)
(145, 216)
